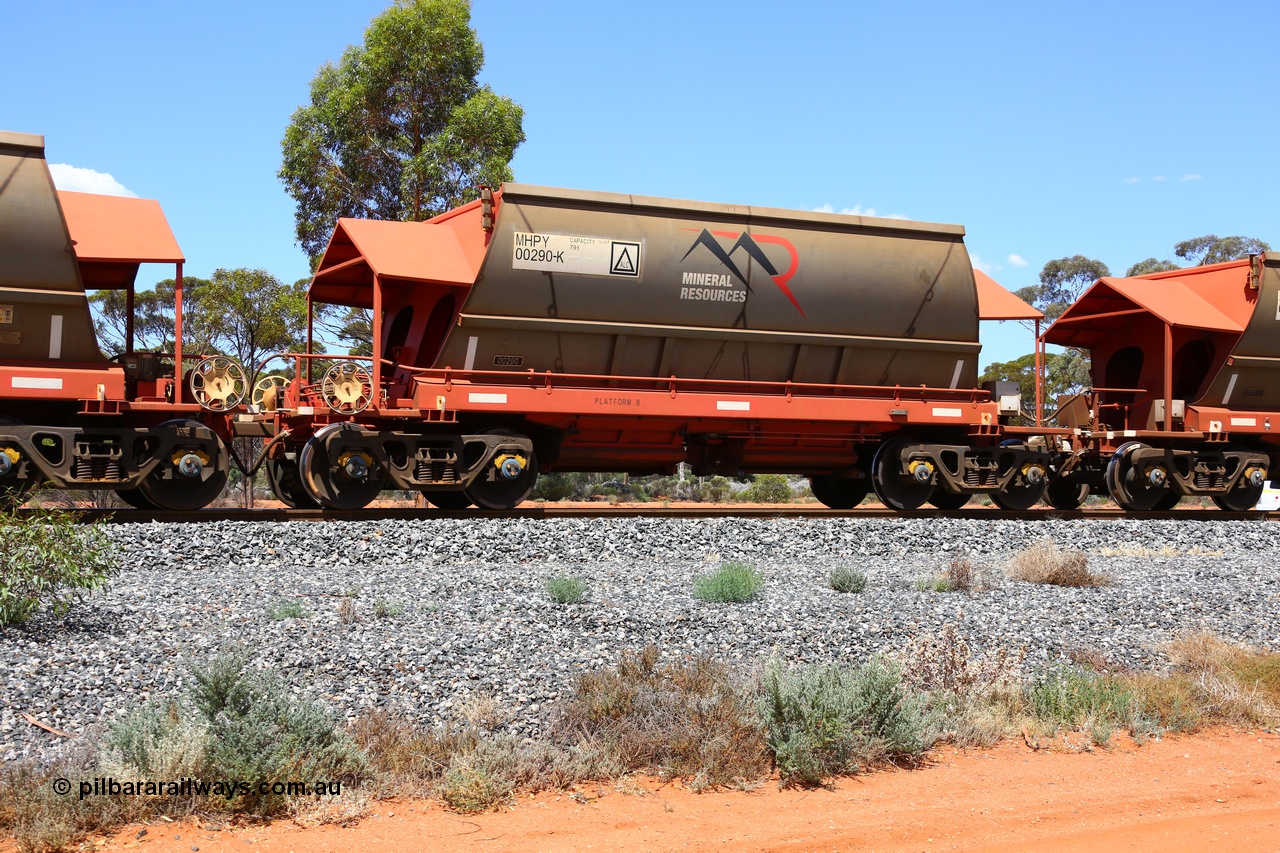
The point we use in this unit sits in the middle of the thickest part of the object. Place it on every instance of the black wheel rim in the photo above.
(896, 490)
(943, 499)
(183, 494)
(1066, 495)
(1168, 502)
(1127, 486)
(286, 485)
(135, 498)
(839, 492)
(491, 490)
(1239, 499)
(326, 482)
(448, 500)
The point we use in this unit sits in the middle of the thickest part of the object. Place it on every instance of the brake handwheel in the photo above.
(268, 393)
(218, 383)
(347, 388)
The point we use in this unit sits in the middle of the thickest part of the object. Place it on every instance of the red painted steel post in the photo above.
(309, 334)
(377, 332)
(128, 319)
(177, 335)
(1039, 377)
(1168, 377)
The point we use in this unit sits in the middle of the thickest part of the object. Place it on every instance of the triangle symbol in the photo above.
(624, 264)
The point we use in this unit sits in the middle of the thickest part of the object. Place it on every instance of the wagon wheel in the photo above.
(135, 498)
(348, 479)
(1026, 487)
(897, 490)
(1243, 497)
(1129, 487)
(217, 383)
(268, 393)
(839, 492)
(451, 501)
(1064, 493)
(192, 477)
(1168, 502)
(12, 490)
(286, 484)
(942, 499)
(508, 480)
(347, 388)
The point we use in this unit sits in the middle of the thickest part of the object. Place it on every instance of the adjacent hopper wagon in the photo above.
(541, 329)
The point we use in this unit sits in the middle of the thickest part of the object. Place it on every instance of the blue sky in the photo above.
(1111, 130)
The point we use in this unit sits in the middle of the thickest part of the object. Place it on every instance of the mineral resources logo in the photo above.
(716, 287)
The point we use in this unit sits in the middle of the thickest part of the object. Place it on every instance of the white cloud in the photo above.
(1132, 180)
(979, 264)
(1017, 261)
(858, 210)
(76, 179)
(1158, 178)
(1191, 177)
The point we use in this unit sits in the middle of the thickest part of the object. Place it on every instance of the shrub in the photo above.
(846, 579)
(733, 582)
(49, 560)
(383, 609)
(683, 719)
(821, 721)
(768, 489)
(287, 608)
(567, 589)
(554, 487)
(1045, 562)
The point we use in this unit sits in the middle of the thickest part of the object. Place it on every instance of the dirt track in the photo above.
(1216, 791)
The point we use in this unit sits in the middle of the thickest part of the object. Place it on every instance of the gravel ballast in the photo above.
(465, 613)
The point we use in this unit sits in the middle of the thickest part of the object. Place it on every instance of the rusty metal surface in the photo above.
(717, 291)
(1251, 378)
(42, 299)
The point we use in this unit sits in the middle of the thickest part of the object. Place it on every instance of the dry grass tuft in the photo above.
(682, 719)
(1044, 562)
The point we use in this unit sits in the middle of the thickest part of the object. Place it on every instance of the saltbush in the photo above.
(567, 589)
(847, 579)
(733, 582)
(768, 489)
(821, 721)
(49, 560)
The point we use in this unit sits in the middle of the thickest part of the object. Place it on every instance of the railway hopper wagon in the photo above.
(1186, 387)
(69, 416)
(540, 330)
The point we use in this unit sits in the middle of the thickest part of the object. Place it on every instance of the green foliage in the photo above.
(287, 608)
(251, 314)
(556, 487)
(1149, 266)
(847, 579)
(240, 724)
(821, 721)
(153, 324)
(768, 489)
(1061, 282)
(383, 609)
(399, 129)
(1065, 373)
(733, 582)
(1212, 249)
(48, 559)
(567, 589)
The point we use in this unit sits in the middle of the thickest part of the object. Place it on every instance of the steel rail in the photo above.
(141, 516)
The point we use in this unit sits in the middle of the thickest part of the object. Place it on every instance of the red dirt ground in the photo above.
(1214, 791)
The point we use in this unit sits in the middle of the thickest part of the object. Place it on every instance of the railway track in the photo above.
(139, 516)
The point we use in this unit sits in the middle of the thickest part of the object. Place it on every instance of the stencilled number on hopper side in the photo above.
(565, 253)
